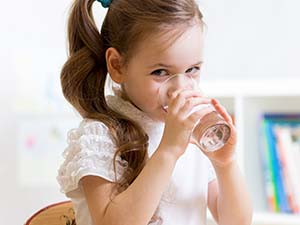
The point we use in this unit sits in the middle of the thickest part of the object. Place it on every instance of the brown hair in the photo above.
(83, 76)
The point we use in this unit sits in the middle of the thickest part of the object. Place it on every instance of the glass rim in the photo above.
(180, 74)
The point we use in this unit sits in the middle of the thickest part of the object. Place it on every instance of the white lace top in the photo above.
(91, 150)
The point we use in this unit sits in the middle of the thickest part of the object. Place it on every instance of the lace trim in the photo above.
(90, 152)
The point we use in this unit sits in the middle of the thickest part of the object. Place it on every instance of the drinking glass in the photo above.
(211, 131)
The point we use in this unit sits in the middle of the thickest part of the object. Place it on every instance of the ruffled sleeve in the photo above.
(90, 151)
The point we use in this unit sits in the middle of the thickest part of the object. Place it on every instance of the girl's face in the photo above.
(155, 60)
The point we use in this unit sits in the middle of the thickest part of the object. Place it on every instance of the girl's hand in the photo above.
(226, 154)
(179, 122)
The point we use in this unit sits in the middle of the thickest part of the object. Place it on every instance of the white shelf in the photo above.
(247, 100)
(268, 219)
(276, 219)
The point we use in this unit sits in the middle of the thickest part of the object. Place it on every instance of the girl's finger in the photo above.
(232, 138)
(179, 98)
(222, 111)
(195, 104)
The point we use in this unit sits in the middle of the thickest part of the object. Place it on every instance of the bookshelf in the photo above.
(247, 100)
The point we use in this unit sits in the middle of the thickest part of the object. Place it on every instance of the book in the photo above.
(270, 188)
(289, 160)
(280, 174)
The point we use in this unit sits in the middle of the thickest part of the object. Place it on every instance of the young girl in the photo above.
(130, 162)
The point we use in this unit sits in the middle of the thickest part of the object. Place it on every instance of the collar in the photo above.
(153, 128)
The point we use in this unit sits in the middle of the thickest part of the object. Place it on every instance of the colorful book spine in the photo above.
(268, 171)
(277, 169)
(289, 161)
(281, 177)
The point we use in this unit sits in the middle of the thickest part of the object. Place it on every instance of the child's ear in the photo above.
(114, 65)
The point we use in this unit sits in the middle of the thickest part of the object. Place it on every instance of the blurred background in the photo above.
(251, 64)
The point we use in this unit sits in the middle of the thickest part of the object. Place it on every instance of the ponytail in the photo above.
(83, 83)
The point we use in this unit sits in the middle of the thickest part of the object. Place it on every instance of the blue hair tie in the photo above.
(105, 3)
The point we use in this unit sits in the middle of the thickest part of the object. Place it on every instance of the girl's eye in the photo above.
(193, 70)
(160, 72)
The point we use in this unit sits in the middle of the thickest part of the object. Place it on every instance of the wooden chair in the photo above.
(61, 213)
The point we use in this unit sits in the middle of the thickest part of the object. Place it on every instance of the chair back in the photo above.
(61, 213)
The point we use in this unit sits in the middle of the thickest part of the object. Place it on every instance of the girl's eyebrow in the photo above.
(160, 65)
(170, 66)
(198, 63)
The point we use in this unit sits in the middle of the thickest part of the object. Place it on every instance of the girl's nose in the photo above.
(179, 82)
